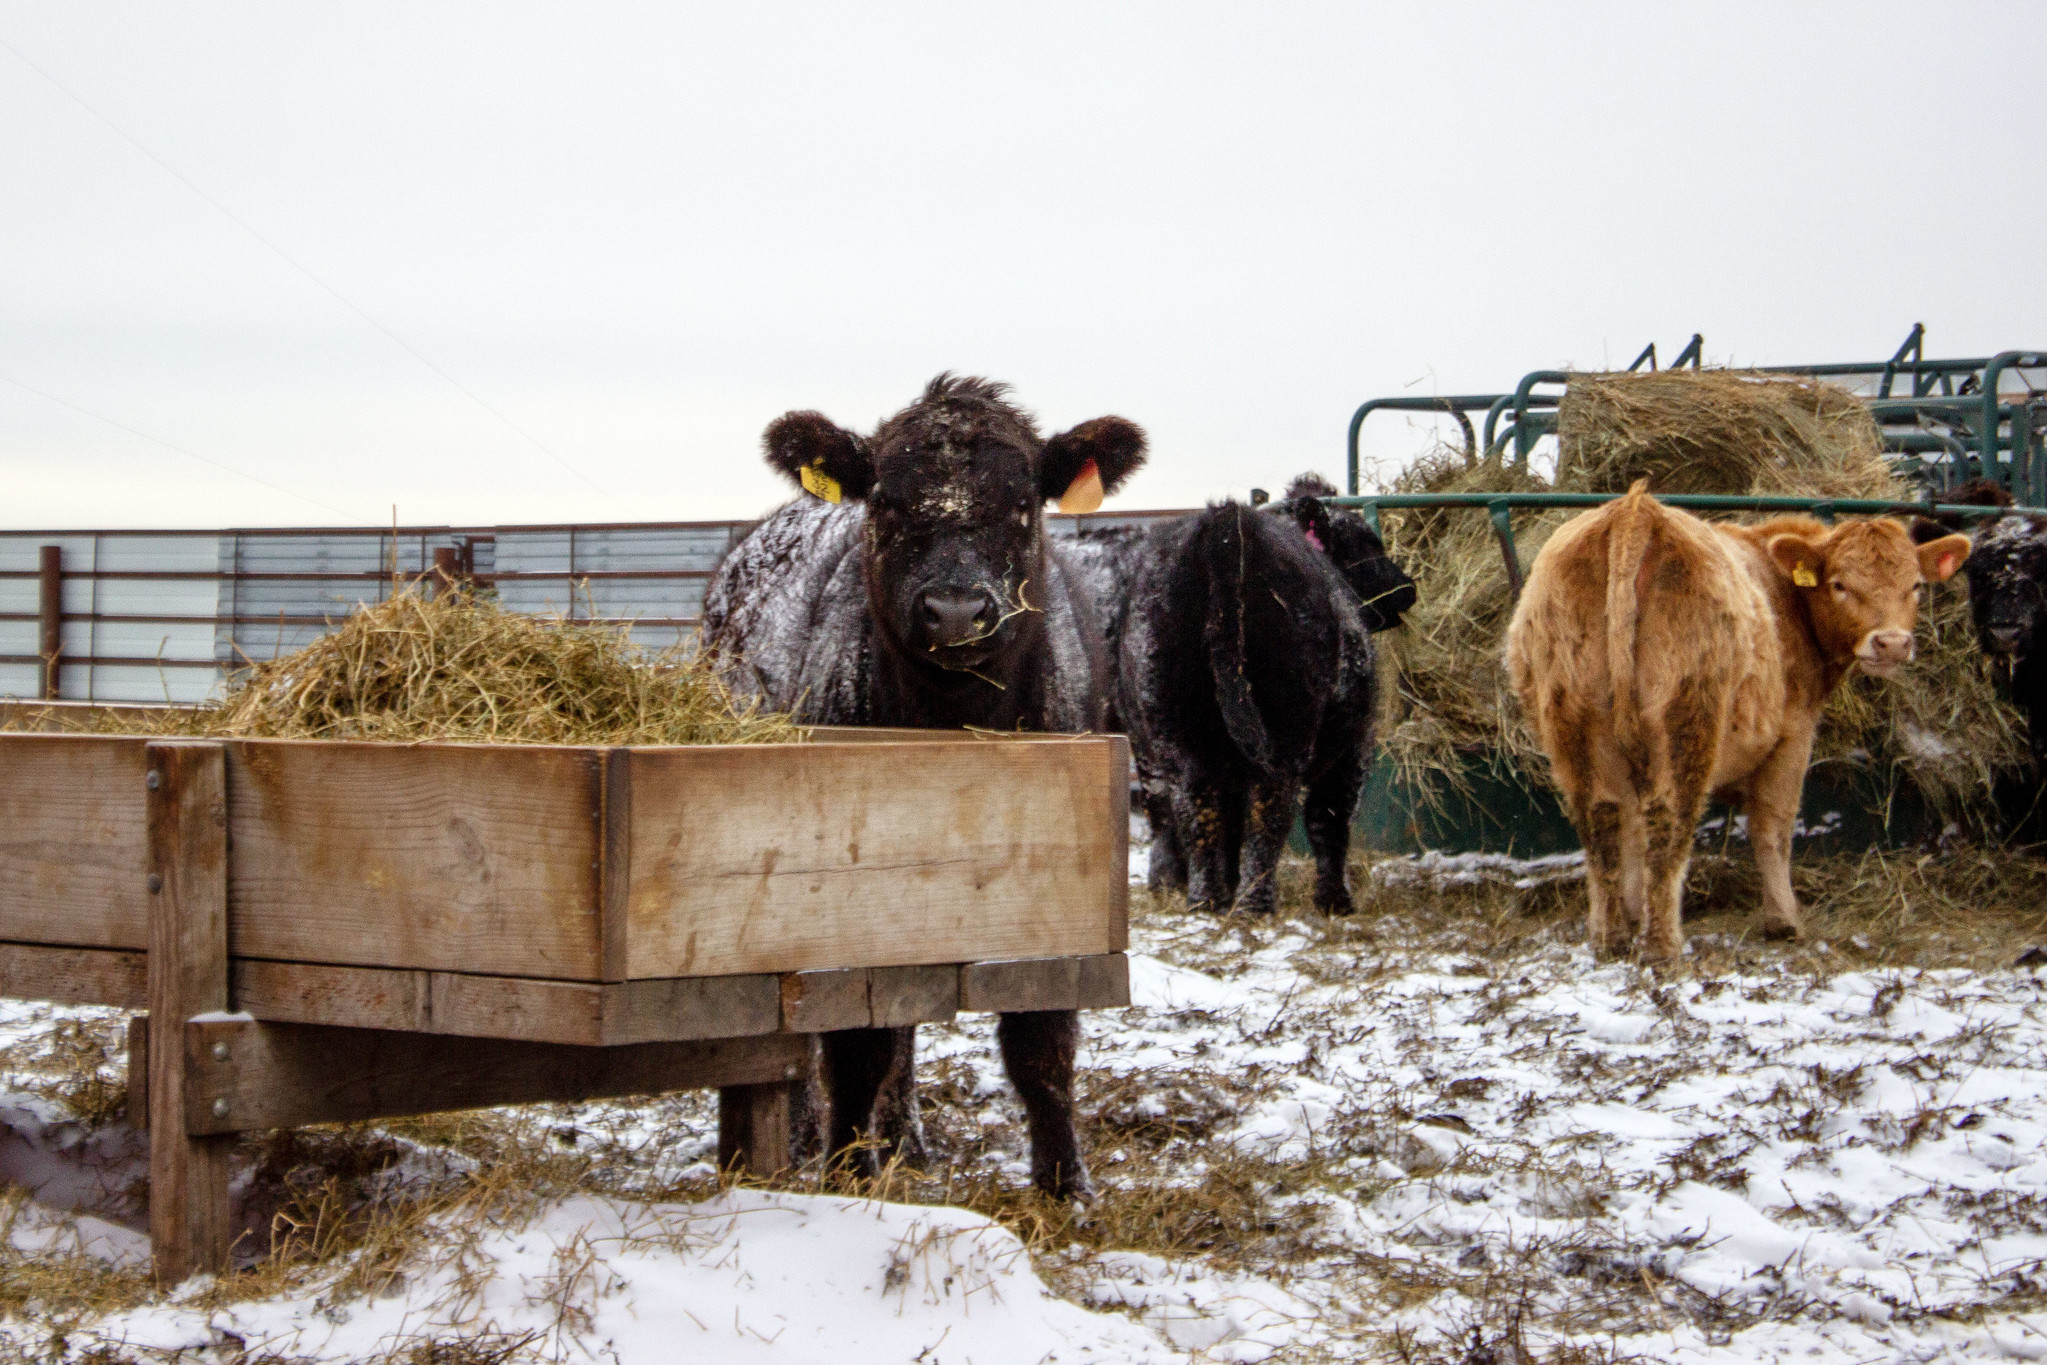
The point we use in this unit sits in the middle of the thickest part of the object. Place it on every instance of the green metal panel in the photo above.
(1498, 809)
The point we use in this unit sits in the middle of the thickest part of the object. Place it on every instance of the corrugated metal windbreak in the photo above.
(139, 614)
(651, 576)
(155, 616)
(288, 586)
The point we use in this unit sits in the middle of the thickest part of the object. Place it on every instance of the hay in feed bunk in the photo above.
(458, 666)
(1938, 726)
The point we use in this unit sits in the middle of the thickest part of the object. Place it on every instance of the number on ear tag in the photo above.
(1804, 577)
(818, 483)
(1084, 494)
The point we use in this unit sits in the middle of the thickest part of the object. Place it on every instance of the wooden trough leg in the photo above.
(188, 1194)
(753, 1127)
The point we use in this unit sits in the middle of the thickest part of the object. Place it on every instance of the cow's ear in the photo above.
(1938, 559)
(1797, 558)
(819, 456)
(1113, 447)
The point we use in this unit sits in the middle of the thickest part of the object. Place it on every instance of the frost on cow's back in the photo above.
(774, 596)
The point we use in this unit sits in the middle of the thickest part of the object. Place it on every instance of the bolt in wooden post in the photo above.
(50, 619)
(187, 804)
(753, 1128)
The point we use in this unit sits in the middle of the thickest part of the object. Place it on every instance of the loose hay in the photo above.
(1938, 726)
(460, 667)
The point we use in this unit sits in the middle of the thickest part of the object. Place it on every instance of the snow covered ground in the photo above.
(1462, 1141)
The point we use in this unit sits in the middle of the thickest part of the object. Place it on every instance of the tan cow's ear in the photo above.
(1938, 559)
(1797, 558)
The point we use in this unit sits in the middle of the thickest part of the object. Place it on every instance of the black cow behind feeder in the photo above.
(1245, 674)
(2007, 570)
(916, 587)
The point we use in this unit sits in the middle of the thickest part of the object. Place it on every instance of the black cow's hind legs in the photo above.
(1332, 805)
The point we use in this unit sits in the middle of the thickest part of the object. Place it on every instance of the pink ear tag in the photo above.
(1084, 494)
(1313, 539)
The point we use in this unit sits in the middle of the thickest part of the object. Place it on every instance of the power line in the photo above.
(189, 454)
(293, 262)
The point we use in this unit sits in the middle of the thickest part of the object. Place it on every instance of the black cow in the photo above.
(1245, 672)
(2007, 571)
(928, 596)
(1105, 560)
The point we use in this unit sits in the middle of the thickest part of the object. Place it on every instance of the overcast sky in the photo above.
(278, 265)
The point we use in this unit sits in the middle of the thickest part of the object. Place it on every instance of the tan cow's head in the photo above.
(1860, 580)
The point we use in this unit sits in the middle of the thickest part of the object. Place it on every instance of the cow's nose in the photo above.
(957, 616)
(1890, 646)
(2006, 638)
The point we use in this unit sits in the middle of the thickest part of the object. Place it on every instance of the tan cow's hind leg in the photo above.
(1669, 824)
(1572, 740)
(1689, 740)
(1599, 828)
(1634, 871)
(1772, 801)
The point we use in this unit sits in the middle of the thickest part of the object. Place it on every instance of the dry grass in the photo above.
(460, 667)
(1938, 725)
(1451, 695)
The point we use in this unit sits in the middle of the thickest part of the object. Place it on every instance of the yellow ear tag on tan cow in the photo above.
(1804, 577)
(818, 483)
(1084, 494)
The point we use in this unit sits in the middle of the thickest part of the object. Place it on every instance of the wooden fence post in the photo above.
(447, 572)
(50, 620)
(188, 975)
(753, 1128)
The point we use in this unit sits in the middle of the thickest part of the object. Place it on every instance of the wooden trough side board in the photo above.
(405, 929)
(586, 1014)
(806, 856)
(582, 864)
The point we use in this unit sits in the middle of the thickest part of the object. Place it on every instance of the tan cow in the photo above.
(1662, 659)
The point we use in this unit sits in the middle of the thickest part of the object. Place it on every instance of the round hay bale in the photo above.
(1719, 431)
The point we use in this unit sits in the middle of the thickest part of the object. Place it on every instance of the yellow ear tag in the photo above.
(1804, 577)
(815, 481)
(1084, 494)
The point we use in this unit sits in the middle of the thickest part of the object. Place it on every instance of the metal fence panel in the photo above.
(255, 642)
(20, 551)
(143, 683)
(119, 553)
(188, 641)
(184, 597)
(155, 616)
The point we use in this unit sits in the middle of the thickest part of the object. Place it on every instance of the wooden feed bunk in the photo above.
(322, 931)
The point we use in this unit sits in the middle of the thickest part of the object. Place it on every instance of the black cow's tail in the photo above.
(1221, 546)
